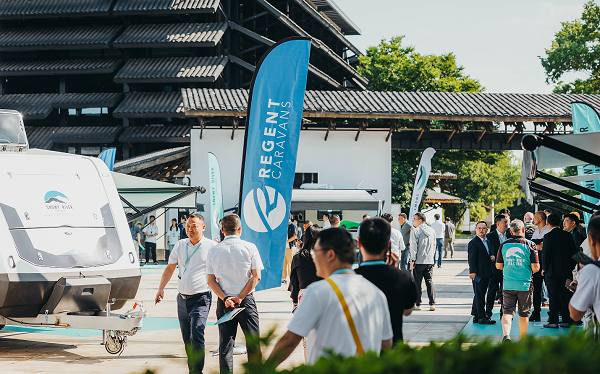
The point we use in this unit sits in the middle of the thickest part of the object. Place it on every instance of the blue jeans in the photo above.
(439, 243)
(405, 259)
(193, 314)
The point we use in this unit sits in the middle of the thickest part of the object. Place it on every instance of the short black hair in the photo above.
(334, 219)
(573, 218)
(375, 235)
(542, 215)
(503, 211)
(553, 219)
(152, 217)
(421, 217)
(498, 218)
(593, 228)
(197, 215)
(340, 241)
(485, 223)
(447, 219)
(230, 224)
(436, 216)
(388, 217)
(366, 216)
(403, 215)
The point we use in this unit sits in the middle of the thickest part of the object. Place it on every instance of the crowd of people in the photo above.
(520, 259)
(352, 304)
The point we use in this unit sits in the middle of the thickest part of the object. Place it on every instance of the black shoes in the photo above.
(551, 325)
(535, 318)
(486, 321)
(475, 320)
(566, 325)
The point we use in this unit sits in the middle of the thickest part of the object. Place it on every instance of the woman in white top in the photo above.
(172, 237)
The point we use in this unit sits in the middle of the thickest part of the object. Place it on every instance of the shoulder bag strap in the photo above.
(359, 348)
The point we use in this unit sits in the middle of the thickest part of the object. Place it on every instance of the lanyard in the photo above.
(371, 263)
(502, 238)
(342, 271)
(186, 252)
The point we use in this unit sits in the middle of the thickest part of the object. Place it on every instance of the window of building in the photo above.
(329, 213)
(301, 178)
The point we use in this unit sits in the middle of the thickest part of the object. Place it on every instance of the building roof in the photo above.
(20, 9)
(156, 134)
(171, 35)
(337, 16)
(151, 159)
(87, 134)
(440, 197)
(171, 70)
(59, 67)
(410, 105)
(39, 106)
(165, 6)
(40, 137)
(150, 105)
(65, 37)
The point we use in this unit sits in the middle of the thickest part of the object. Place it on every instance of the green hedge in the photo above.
(576, 353)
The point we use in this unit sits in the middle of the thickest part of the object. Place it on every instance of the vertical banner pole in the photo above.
(216, 194)
(273, 121)
(420, 182)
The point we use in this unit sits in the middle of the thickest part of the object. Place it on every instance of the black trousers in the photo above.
(494, 287)
(479, 290)
(248, 321)
(424, 271)
(192, 314)
(538, 284)
(559, 299)
(150, 249)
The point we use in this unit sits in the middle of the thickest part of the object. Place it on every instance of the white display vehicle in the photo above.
(66, 253)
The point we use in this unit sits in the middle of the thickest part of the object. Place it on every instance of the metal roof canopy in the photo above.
(551, 151)
(144, 193)
(439, 197)
(334, 200)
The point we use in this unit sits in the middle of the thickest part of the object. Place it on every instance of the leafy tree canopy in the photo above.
(576, 48)
(482, 177)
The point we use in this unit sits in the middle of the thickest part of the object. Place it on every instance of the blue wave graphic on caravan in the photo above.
(55, 197)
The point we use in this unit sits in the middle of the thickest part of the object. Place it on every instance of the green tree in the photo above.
(483, 177)
(576, 48)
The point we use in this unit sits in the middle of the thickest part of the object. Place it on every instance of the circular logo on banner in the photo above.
(262, 215)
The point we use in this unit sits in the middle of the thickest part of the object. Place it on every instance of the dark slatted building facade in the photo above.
(88, 75)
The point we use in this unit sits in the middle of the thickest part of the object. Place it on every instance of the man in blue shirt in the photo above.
(518, 260)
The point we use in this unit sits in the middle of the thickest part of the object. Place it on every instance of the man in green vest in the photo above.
(518, 260)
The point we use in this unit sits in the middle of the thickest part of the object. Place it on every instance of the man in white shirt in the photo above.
(588, 289)
(233, 270)
(151, 232)
(194, 298)
(320, 316)
(396, 241)
(326, 223)
(540, 230)
(439, 229)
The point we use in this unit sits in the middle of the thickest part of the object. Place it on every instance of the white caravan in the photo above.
(66, 253)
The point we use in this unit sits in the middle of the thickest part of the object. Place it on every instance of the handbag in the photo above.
(359, 348)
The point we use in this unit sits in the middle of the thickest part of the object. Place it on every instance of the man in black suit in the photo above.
(480, 267)
(557, 266)
(495, 240)
(570, 225)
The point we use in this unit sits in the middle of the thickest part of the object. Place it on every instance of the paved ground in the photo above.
(158, 345)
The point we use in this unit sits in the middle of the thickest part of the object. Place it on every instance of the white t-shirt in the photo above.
(539, 234)
(231, 262)
(173, 235)
(320, 318)
(151, 229)
(588, 289)
(193, 280)
(326, 225)
(439, 228)
(396, 241)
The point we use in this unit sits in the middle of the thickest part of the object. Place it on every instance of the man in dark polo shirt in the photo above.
(396, 284)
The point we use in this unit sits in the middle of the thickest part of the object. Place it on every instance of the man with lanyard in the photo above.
(397, 285)
(194, 299)
(518, 259)
(480, 270)
(541, 229)
(151, 232)
(233, 270)
(320, 314)
(495, 239)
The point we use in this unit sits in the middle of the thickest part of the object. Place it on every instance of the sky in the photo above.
(497, 42)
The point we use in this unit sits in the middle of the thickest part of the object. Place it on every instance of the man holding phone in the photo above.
(480, 267)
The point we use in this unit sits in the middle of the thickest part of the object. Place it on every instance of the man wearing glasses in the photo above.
(480, 269)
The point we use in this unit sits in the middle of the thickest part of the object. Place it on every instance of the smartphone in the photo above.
(570, 287)
(477, 279)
